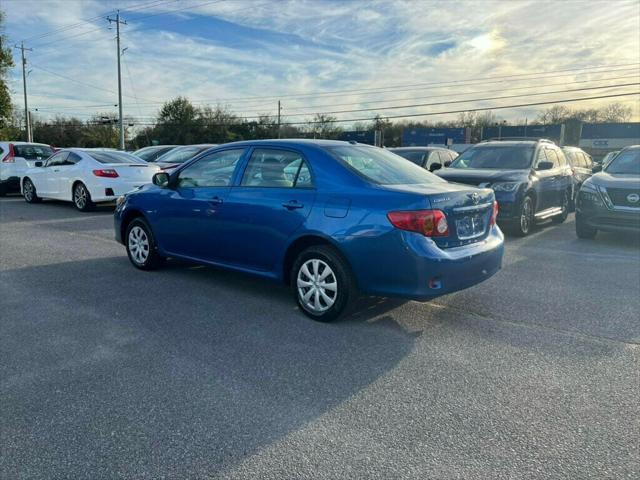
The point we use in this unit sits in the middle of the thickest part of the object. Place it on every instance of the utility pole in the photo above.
(117, 21)
(27, 120)
(279, 110)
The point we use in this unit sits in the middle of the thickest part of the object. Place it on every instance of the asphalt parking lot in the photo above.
(195, 372)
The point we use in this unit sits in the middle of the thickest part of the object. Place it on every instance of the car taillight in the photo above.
(107, 172)
(494, 213)
(11, 156)
(430, 223)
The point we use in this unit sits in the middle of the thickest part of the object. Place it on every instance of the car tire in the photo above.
(29, 192)
(523, 226)
(322, 294)
(82, 197)
(141, 246)
(584, 231)
(565, 209)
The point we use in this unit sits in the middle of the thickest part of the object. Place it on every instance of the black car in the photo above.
(581, 166)
(431, 158)
(531, 178)
(610, 199)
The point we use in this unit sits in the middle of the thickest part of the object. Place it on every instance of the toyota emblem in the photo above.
(475, 198)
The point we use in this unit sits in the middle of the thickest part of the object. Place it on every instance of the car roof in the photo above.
(419, 148)
(631, 147)
(293, 142)
(510, 142)
(25, 143)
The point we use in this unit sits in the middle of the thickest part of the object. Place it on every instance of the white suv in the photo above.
(15, 159)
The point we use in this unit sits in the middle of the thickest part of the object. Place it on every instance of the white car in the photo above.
(15, 159)
(86, 177)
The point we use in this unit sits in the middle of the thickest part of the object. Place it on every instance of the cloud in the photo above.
(220, 52)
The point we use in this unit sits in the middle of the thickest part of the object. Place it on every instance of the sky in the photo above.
(324, 55)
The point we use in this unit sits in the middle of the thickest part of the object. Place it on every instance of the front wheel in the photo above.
(322, 283)
(141, 245)
(29, 192)
(524, 224)
(82, 198)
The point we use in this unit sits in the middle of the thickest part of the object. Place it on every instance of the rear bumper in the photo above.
(419, 270)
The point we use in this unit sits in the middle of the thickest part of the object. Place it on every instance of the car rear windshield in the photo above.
(382, 167)
(33, 152)
(180, 155)
(626, 162)
(414, 156)
(115, 157)
(150, 154)
(500, 157)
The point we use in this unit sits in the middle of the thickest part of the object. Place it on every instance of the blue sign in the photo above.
(552, 132)
(433, 136)
(610, 130)
(368, 137)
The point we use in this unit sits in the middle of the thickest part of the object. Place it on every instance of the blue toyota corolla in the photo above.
(329, 218)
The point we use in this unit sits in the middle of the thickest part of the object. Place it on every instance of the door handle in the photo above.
(292, 205)
(56, 170)
(216, 201)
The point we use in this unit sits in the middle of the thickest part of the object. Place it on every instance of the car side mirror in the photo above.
(596, 168)
(39, 164)
(447, 163)
(434, 166)
(161, 179)
(545, 166)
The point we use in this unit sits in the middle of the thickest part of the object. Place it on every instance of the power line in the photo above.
(434, 85)
(449, 112)
(448, 83)
(82, 22)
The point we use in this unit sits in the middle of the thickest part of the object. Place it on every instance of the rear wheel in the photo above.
(565, 209)
(141, 245)
(322, 283)
(29, 192)
(82, 198)
(522, 227)
(583, 230)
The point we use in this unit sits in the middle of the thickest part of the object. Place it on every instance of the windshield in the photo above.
(502, 157)
(180, 154)
(382, 167)
(114, 157)
(33, 152)
(415, 156)
(626, 162)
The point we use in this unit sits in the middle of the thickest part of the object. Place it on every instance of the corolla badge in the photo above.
(633, 198)
(475, 198)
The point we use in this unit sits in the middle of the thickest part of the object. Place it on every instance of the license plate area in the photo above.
(471, 226)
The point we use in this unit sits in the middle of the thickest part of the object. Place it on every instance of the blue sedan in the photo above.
(332, 219)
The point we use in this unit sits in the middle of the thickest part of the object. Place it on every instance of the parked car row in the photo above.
(334, 218)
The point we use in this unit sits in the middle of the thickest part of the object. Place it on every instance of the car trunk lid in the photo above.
(468, 210)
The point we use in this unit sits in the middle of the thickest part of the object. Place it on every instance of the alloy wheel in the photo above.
(138, 243)
(28, 190)
(526, 215)
(317, 285)
(80, 197)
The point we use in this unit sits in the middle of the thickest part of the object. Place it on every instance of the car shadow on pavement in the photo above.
(185, 370)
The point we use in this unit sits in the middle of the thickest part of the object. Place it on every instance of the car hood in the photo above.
(615, 180)
(481, 175)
